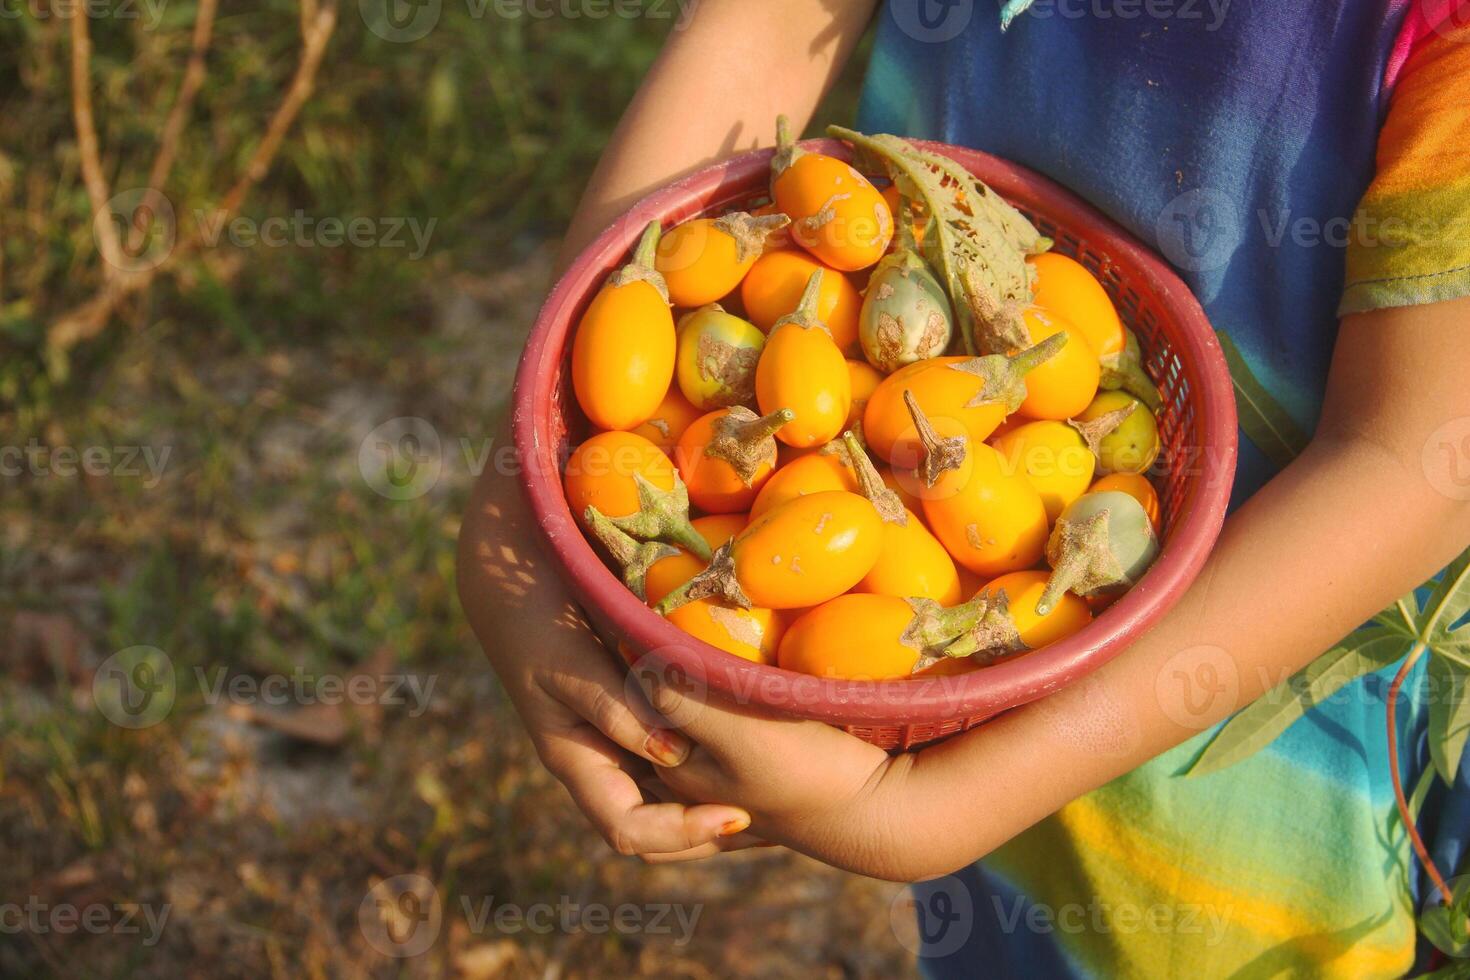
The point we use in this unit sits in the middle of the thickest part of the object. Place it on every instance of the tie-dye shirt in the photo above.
(1294, 161)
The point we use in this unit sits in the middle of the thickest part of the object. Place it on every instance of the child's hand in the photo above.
(571, 693)
(1395, 388)
(806, 784)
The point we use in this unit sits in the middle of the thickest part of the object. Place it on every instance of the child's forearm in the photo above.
(723, 76)
(1346, 529)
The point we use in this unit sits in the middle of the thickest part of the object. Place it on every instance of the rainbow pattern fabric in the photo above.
(1294, 161)
(1412, 242)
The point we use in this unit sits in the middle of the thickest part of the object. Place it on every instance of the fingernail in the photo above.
(732, 827)
(666, 748)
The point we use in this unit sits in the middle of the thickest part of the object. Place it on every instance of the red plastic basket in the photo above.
(1197, 430)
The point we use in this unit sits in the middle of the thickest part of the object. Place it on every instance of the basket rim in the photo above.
(910, 701)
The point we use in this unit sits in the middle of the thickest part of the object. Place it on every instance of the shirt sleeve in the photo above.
(1410, 242)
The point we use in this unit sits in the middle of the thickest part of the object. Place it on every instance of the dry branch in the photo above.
(314, 37)
(88, 318)
(178, 114)
(86, 127)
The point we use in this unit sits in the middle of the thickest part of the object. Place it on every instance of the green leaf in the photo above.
(1449, 715)
(1407, 612)
(1448, 926)
(1455, 970)
(1449, 600)
(1263, 420)
(1455, 648)
(1402, 620)
(1260, 722)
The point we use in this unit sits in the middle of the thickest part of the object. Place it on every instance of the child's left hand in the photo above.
(805, 784)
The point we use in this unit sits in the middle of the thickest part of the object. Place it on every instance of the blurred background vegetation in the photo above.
(228, 523)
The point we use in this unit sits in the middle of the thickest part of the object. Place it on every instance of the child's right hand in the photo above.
(591, 730)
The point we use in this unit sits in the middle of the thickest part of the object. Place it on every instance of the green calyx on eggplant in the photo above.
(1102, 544)
(1124, 370)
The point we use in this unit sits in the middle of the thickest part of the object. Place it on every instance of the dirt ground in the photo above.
(237, 835)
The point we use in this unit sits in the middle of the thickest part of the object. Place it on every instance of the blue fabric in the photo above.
(1199, 135)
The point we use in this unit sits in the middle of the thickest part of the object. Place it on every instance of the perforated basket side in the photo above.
(1140, 311)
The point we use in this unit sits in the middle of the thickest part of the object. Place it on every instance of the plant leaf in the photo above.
(1011, 10)
(1449, 600)
(1447, 926)
(1449, 715)
(1455, 648)
(1420, 792)
(1454, 970)
(1411, 605)
(1391, 618)
(1263, 420)
(1260, 722)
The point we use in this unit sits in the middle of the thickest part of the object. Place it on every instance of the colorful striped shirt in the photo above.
(1295, 162)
